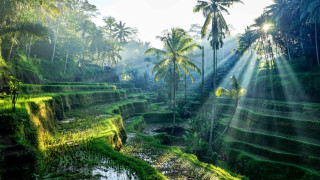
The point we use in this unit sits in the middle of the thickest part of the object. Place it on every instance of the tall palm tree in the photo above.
(95, 39)
(212, 10)
(110, 24)
(177, 45)
(84, 27)
(122, 32)
(113, 53)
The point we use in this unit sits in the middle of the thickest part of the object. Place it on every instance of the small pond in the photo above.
(111, 173)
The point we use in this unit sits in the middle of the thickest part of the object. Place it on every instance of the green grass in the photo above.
(128, 108)
(258, 168)
(100, 136)
(154, 107)
(84, 129)
(280, 118)
(259, 101)
(28, 88)
(78, 83)
(271, 140)
(272, 154)
(161, 116)
(142, 168)
(87, 97)
(137, 125)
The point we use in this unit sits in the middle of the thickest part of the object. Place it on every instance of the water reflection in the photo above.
(113, 173)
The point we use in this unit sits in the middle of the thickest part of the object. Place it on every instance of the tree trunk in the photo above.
(28, 56)
(228, 125)
(214, 24)
(316, 40)
(158, 95)
(174, 95)
(14, 102)
(56, 34)
(55, 40)
(170, 89)
(202, 85)
(185, 87)
(103, 59)
(27, 48)
(213, 104)
(288, 48)
(98, 56)
(10, 51)
(66, 62)
(216, 69)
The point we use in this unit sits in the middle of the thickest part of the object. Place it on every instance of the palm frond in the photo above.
(156, 51)
(160, 65)
(205, 26)
(220, 91)
(200, 6)
(190, 64)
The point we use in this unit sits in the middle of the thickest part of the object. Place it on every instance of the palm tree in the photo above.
(262, 29)
(235, 93)
(95, 38)
(185, 67)
(176, 48)
(212, 11)
(281, 11)
(110, 24)
(113, 53)
(122, 32)
(84, 27)
(245, 41)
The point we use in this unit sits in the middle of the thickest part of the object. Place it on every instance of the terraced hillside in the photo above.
(271, 139)
(76, 130)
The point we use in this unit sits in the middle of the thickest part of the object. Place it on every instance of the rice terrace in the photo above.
(160, 89)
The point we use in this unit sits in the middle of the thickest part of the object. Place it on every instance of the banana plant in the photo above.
(236, 92)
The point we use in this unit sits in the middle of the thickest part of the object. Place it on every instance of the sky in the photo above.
(152, 17)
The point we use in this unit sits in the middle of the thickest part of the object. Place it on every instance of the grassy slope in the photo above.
(95, 134)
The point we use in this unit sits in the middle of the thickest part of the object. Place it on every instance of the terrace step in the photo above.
(308, 109)
(28, 88)
(282, 170)
(249, 119)
(292, 114)
(76, 83)
(277, 142)
(275, 155)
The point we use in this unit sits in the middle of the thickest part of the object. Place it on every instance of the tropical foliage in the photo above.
(213, 12)
(288, 27)
(177, 45)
